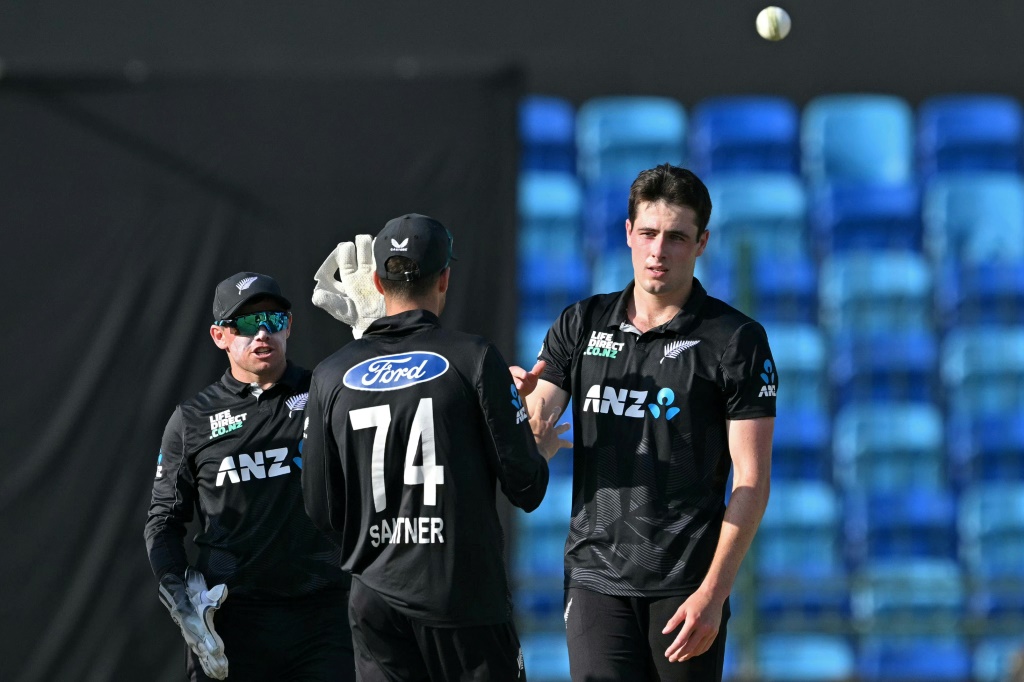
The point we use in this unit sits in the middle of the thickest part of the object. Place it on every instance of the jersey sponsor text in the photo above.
(253, 466)
(619, 401)
(224, 422)
(601, 345)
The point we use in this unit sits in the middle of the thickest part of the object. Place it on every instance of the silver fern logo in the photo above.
(399, 245)
(244, 284)
(672, 350)
(297, 402)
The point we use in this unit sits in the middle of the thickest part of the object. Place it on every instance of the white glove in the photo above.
(192, 607)
(354, 300)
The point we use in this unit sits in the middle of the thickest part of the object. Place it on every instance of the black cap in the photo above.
(419, 238)
(237, 290)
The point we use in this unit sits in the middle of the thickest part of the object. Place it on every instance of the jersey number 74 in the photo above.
(428, 474)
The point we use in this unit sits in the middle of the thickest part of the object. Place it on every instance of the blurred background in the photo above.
(868, 210)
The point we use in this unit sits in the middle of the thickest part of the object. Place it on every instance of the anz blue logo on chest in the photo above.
(392, 372)
(625, 403)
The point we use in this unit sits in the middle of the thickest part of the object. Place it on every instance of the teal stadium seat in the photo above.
(800, 577)
(895, 596)
(889, 446)
(617, 137)
(857, 137)
(983, 369)
(804, 657)
(546, 656)
(974, 218)
(757, 214)
(550, 207)
(969, 133)
(878, 291)
(745, 133)
(800, 355)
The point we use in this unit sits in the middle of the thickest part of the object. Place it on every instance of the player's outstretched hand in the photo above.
(192, 607)
(546, 433)
(527, 381)
(354, 299)
(701, 617)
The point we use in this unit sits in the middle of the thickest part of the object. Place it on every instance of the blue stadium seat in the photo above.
(993, 657)
(983, 369)
(974, 218)
(910, 523)
(860, 138)
(879, 291)
(889, 446)
(935, 658)
(548, 283)
(752, 133)
(783, 289)
(983, 293)
(801, 521)
(550, 214)
(802, 443)
(617, 137)
(546, 656)
(909, 595)
(807, 657)
(848, 216)
(969, 132)
(605, 210)
(992, 530)
(758, 213)
(897, 365)
(554, 510)
(799, 352)
(530, 333)
(547, 134)
(987, 447)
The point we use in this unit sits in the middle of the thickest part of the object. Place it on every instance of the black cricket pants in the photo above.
(615, 639)
(305, 640)
(392, 647)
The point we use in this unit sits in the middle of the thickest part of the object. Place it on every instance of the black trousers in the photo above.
(392, 647)
(619, 638)
(308, 640)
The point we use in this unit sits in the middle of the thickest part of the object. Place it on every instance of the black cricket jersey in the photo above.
(235, 458)
(651, 457)
(408, 431)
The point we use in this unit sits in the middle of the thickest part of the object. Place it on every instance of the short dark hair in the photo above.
(407, 289)
(675, 185)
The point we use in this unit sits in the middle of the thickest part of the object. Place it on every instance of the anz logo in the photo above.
(254, 466)
(625, 403)
(392, 372)
(768, 376)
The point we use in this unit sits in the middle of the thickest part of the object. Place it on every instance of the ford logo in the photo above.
(392, 372)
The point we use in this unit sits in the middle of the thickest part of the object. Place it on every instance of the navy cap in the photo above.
(239, 289)
(419, 238)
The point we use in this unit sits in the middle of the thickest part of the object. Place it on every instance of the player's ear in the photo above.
(376, 283)
(288, 330)
(702, 242)
(219, 336)
(443, 280)
(629, 232)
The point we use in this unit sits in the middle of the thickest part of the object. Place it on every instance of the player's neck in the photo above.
(647, 311)
(264, 379)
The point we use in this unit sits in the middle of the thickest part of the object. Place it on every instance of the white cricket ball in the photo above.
(773, 23)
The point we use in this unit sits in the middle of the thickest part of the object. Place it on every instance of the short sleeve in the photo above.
(750, 379)
(559, 345)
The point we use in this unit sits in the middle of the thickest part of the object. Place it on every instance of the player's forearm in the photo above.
(742, 517)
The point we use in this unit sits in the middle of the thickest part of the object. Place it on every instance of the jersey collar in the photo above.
(290, 378)
(409, 322)
(682, 323)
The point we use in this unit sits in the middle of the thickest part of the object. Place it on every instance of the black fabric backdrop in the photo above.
(122, 207)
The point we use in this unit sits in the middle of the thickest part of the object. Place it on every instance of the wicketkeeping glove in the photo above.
(354, 300)
(192, 607)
